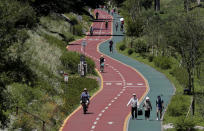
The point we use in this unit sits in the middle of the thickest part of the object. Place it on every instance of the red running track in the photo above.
(108, 110)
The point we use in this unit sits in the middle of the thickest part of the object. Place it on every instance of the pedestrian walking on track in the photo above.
(111, 46)
(116, 26)
(134, 104)
(106, 24)
(160, 106)
(91, 30)
(147, 107)
(97, 14)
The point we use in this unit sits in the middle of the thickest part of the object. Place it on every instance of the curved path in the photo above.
(107, 111)
(158, 83)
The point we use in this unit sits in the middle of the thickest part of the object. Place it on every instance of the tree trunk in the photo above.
(198, 1)
(189, 79)
(156, 5)
(152, 50)
(186, 5)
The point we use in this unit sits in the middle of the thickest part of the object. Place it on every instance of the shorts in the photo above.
(159, 109)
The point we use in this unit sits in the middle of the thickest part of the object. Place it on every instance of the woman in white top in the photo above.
(134, 104)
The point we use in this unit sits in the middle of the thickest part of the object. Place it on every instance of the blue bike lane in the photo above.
(158, 83)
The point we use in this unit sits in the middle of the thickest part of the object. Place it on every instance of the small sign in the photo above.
(66, 77)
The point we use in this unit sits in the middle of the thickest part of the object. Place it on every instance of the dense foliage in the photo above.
(33, 38)
(170, 34)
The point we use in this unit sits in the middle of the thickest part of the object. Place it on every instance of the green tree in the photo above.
(15, 18)
(187, 39)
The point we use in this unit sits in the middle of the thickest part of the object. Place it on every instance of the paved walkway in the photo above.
(158, 83)
(108, 111)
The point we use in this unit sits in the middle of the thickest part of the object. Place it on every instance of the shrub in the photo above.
(73, 19)
(68, 36)
(78, 30)
(181, 75)
(130, 51)
(122, 47)
(179, 105)
(150, 58)
(91, 65)
(184, 124)
(71, 60)
(140, 46)
(163, 62)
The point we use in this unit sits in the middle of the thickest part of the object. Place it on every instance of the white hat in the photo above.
(134, 94)
(147, 98)
(121, 19)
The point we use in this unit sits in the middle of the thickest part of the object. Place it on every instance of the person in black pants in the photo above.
(91, 30)
(97, 14)
(147, 107)
(106, 24)
(116, 26)
(111, 46)
(134, 104)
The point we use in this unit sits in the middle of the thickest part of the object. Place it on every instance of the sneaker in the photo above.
(157, 119)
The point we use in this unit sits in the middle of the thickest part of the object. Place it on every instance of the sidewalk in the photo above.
(158, 83)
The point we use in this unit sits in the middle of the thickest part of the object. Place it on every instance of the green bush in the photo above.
(179, 106)
(78, 30)
(181, 75)
(68, 36)
(130, 51)
(163, 62)
(73, 19)
(71, 60)
(150, 58)
(91, 65)
(122, 47)
(184, 124)
(140, 46)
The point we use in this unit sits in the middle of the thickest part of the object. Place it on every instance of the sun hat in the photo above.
(134, 94)
(85, 89)
(147, 98)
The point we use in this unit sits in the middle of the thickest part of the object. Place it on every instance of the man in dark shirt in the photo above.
(97, 14)
(111, 46)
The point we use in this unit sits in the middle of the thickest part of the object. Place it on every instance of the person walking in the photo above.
(97, 14)
(116, 26)
(160, 106)
(111, 46)
(91, 30)
(121, 27)
(112, 12)
(106, 24)
(102, 63)
(147, 107)
(134, 104)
